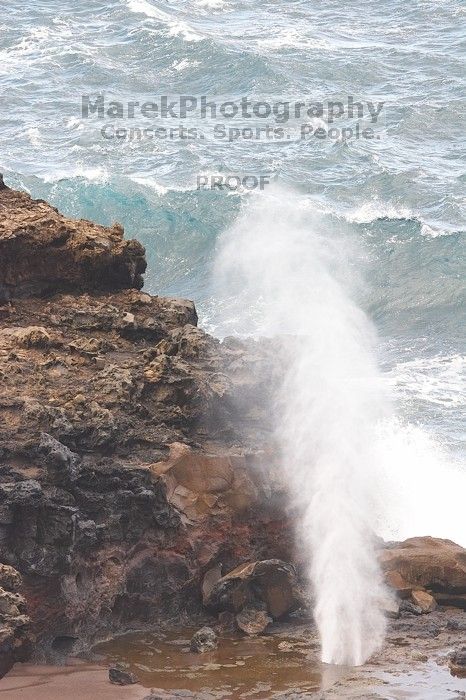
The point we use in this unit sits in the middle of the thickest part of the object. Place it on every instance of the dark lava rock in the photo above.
(119, 675)
(204, 640)
(16, 637)
(406, 606)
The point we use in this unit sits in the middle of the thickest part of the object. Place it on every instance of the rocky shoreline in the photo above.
(137, 462)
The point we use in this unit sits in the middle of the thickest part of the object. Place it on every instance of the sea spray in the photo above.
(289, 271)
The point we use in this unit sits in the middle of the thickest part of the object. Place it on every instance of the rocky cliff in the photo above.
(135, 451)
(137, 463)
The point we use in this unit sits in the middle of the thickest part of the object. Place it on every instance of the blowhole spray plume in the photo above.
(328, 408)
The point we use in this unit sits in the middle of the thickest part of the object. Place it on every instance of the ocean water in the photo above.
(399, 199)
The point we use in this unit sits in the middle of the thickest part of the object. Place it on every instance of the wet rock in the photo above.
(119, 675)
(270, 581)
(424, 600)
(253, 621)
(227, 621)
(204, 640)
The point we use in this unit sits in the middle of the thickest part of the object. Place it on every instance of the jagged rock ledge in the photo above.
(137, 464)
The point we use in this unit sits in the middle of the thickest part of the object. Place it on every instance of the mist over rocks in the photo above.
(137, 455)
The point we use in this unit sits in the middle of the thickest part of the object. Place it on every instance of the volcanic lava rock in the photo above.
(44, 252)
(204, 640)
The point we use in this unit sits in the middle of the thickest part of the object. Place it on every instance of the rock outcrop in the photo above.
(42, 251)
(426, 563)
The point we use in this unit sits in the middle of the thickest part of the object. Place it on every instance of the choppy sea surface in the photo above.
(400, 198)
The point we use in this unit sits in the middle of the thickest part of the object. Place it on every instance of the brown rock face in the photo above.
(43, 252)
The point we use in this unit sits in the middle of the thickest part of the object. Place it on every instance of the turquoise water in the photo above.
(401, 198)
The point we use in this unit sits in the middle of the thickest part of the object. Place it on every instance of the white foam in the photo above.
(93, 174)
(439, 380)
(372, 211)
(212, 4)
(175, 27)
(183, 64)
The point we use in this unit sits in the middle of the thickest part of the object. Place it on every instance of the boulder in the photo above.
(426, 562)
(272, 582)
(120, 675)
(424, 600)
